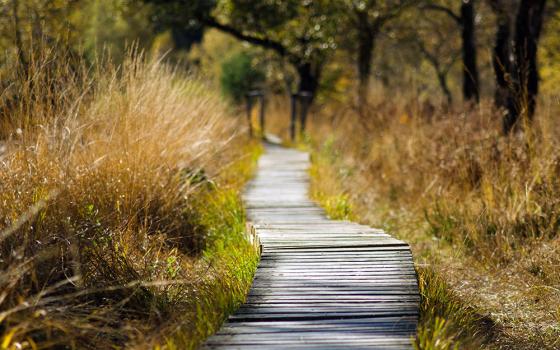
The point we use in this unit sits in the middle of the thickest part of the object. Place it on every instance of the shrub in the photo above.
(239, 76)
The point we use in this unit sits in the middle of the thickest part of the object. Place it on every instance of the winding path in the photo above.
(321, 284)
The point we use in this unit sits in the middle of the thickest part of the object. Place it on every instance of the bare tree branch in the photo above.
(443, 9)
(259, 41)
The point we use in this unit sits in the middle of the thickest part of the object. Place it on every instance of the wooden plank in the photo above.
(284, 346)
(332, 322)
(326, 245)
(369, 328)
(327, 281)
(278, 299)
(319, 337)
(348, 254)
(398, 256)
(328, 258)
(354, 265)
(333, 271)
(307, 250)
(307, 309)
(410, 290)
(386, 320)
(278, 273)
(240, 317)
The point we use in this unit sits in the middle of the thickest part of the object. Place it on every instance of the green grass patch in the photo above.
(325, 186)
(446, 321)
(229, 261)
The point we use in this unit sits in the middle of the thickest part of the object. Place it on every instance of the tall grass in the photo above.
(119, 216)
(480, 210)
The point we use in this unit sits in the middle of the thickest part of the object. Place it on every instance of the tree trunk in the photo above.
(442, 79)
(366, 40)
(17, 37)
(309, 75)
(308, 78)
(470, 71)
(501, 54)
(522, 99)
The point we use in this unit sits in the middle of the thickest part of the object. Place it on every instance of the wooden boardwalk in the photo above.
(321, 284)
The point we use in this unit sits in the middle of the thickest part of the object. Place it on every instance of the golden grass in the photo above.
(480, 210)
(119, 218)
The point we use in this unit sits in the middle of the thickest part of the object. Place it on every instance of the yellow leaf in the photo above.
(7, 340)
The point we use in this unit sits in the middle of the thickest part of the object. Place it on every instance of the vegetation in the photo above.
(480, 212)
(239, 76)
(121, 223)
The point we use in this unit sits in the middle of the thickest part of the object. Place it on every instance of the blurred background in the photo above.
(124, 149)
(444, 52)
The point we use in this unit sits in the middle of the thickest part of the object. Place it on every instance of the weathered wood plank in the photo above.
(387, 321)
(336, 291)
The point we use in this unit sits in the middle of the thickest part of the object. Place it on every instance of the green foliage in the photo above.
(230, 254)
(441, 223)
(239, 76)
(338, 207)
(254, 15)
(84, 26)
(549, 56)
(112, 25)
(331, 197)
(306, 29)
(446, 322)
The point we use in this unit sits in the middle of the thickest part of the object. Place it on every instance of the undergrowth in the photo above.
(120, 221)
(480, 211)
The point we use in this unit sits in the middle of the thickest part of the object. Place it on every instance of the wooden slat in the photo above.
(320, 284)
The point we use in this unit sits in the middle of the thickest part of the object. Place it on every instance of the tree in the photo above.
(501, 51)
(17, 36)
(301, 32)
(239, 76)
(112, 26)
(25, 24)
(522, 99)
(465, 21)
(441, 65)
(470, 71)
(367, 19)
(428, 36)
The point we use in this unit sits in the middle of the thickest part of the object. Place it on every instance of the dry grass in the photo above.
(119, 217)
(480, 210)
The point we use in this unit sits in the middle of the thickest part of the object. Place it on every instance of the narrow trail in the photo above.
(321, 283)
